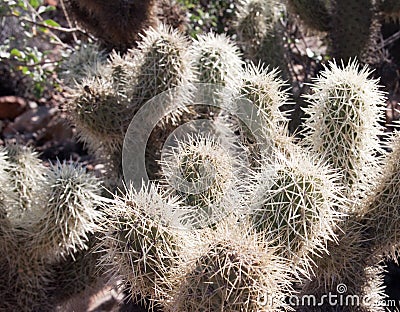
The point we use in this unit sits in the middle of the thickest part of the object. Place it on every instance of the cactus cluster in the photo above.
(47, 217)
(352, 27)
(303, 217)
(138, 243)
(316, 205)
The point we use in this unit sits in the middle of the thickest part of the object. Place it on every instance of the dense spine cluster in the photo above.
(346, 107)
(229, 268)
(295, 200)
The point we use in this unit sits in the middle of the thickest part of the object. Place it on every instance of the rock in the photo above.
(30, 121)
(57, 130)
(11, 106)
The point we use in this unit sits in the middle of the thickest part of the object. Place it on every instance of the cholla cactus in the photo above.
(349, 270)
(61, 216)
(69, 214)
(162, 63)
(260, 33)
(294, 199)
(229, 269)
(99, 114)
(204, 172)
(86, 61)
(28, 175)
(7, 194)
(265, 89)
(381, 213)
(217, 60)
(139, 245)
(342, 127)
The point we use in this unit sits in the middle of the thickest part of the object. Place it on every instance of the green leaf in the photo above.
(16, 52)
(25, 70)
(51, 22)
(45, 8)
(34, 3)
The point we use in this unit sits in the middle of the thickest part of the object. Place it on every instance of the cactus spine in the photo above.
(70, 213)
(162, 63)
(229, 268)
(265, 89)
(56, 223)
(343, 124)
(381, 208)
(204, 173)
(28, 174)
(216, 60)
(294, 200)
(139, 245)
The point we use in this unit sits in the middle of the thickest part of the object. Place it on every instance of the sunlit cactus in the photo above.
(217, 60)
(342, 126)
(205, 174)
(381, 208)
(122, 70)
(139, 245)
(294, 199)
(70, 212)
(99, 114)
(162, 62)
(229, 269)
(8, 198)
(265, 89)
(28, 175)
(45, 215)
